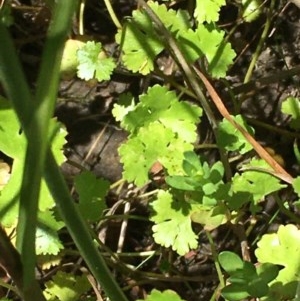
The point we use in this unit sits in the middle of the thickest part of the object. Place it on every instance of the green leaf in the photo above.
(203, 178)
(140, 47)
(245, 279)
(162, 129)
(208, 10)
(291, 106)
(12, 141)
(231, 139)
(209, 42)
(210, 219)
(230, 261)
(173, 223)
(93, 62)
(234, 292)
(69, 61)
(92, 192)
(6, 16)
(47, 240)
(296, 185)
(139, 40)
(282, 248)
(252, 185)
(174, 20)
(159, 104)
(123, 107)
(66, 286)
(13, 144)
(267, 271)
(251, 9)
(166, 295)
(191, 164)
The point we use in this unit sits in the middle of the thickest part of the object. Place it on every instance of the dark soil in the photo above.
(93, 136)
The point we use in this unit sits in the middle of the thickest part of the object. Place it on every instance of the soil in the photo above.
(93, 136)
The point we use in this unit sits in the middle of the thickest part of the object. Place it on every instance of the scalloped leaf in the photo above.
(282, 248)
(47, 240)
(208, 41)
(13, 144)
(93, 62)
(174, 124)
(166, 295)
(66, 287)
(139, 40)
(173, 223)
(231, 139)
(252, 185)
(208, 10)
(92, 192)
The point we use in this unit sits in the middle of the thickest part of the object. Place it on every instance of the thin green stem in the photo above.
(18, 92)
(112, 14)
(79, 231)
(81, 17)
(15, 85)
(259, 45)
(37, 138)
(215, 257)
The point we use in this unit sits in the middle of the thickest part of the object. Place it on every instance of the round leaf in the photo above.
(230, 261)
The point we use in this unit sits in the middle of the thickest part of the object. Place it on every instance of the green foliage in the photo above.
(205, 41)
(139, 40)
(231, 139)
(198, 177)
(208, 10)
(291, 106)
(252, 185)
(173, 223)
(161, 129)
(208, 41)
(92, 192)
(296, 185)
(251, 9)
(166, 295)
(282, 248)
(6, 16)
(93, 62)
(69, 63)
(197, 197)
(246, 280)
(13, 144)
(47, 240)
(66, 287)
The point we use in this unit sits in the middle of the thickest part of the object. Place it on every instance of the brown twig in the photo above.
(279, 171)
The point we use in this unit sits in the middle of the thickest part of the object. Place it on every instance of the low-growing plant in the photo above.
(162, 127)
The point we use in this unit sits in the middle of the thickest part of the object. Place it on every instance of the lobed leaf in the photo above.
(93, 63)
(166, 295)
(92, 192)
(252, 185)
(66, 287)
(231, 139)
(207, 41)
(162, 129)
(208, 10)
(282, 248)
(173, 223)
(47, 240)
(13, 144)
